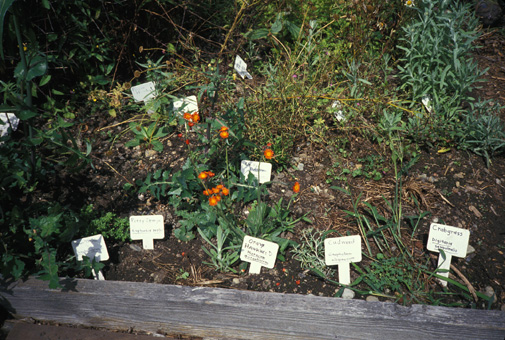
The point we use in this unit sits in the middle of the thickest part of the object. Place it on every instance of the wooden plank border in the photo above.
(235, 314)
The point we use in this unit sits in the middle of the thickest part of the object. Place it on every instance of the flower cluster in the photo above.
(223, 132)
(268, 153)
(191, 118)
(206, 174)
(216, 193)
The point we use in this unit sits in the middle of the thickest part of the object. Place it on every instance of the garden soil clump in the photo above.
(455, 187)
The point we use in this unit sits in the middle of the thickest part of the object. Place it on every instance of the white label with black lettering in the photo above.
(147, 228)
(261, 170)
(144, 92)
(453, 241)
(241, 68)
(259, 253)
(342, 251)
(187, 104)
(93, 247)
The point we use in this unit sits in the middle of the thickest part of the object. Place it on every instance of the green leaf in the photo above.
(26, 114)
(4, 7)
(44, 80)
(37, 68)
(277, 25)
(257, 34)
(46, 4)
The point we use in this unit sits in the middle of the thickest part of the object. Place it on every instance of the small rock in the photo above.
(498, 181)
(489, 291)
(470, 250)
(372, 298)
(150, 153)
(236, 280)
(135, 247)
(301, 166)
(348, 294)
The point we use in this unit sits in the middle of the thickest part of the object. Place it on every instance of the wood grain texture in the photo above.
(234, 314)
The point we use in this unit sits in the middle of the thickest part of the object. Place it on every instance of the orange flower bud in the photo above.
(187, 141)
(191, 124)
(269, 154)
(296, 188)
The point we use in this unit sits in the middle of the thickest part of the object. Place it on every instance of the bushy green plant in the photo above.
(437, 68)
(112, 227)
(310, 251)
(485, 132)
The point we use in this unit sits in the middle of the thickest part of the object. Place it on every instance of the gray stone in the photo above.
(150, 153)
(489, 291)
(301, 166)
(470, 250)
(348, 294)
(372, 298)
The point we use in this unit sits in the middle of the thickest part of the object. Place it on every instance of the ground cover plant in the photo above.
(374, 118)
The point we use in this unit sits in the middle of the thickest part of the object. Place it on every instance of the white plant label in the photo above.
(339, 115)
(93, 247)
(147, 228)
(144, 92)
(187, 104)
(259, 253)
(9, 120)
(342, 251)
(241, 68)
(261, 169)
(453, 241)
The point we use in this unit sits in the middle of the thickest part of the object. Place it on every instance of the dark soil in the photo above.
(455, 187)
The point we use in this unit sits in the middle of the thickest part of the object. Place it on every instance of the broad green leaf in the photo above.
(258, 34)
(26, 114)
(37, 68)
(277, 25)
(44, 80)
(4, 7)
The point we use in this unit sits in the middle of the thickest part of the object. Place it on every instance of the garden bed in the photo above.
(236, 314)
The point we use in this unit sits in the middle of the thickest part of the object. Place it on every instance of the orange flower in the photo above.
(269, 154)
(225, 191)
(220, 186)
(191, 124)
(213, 200)
(296, 188)
(187, 141)
(187, 116)
(207, 192)
(218, 198)
(224, 134)
(210, 173)
(203, 175)
(196, 117)
(215, 190)
(223, 128)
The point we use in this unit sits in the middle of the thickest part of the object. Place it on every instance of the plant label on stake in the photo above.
(241, 68)
(453, 241)
(147, 228)
(259, 253)
(187, 104)
(92, 247)
(263, 169)
(144, 93)
(342, 251)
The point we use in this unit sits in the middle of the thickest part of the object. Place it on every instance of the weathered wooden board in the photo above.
(233, 314)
